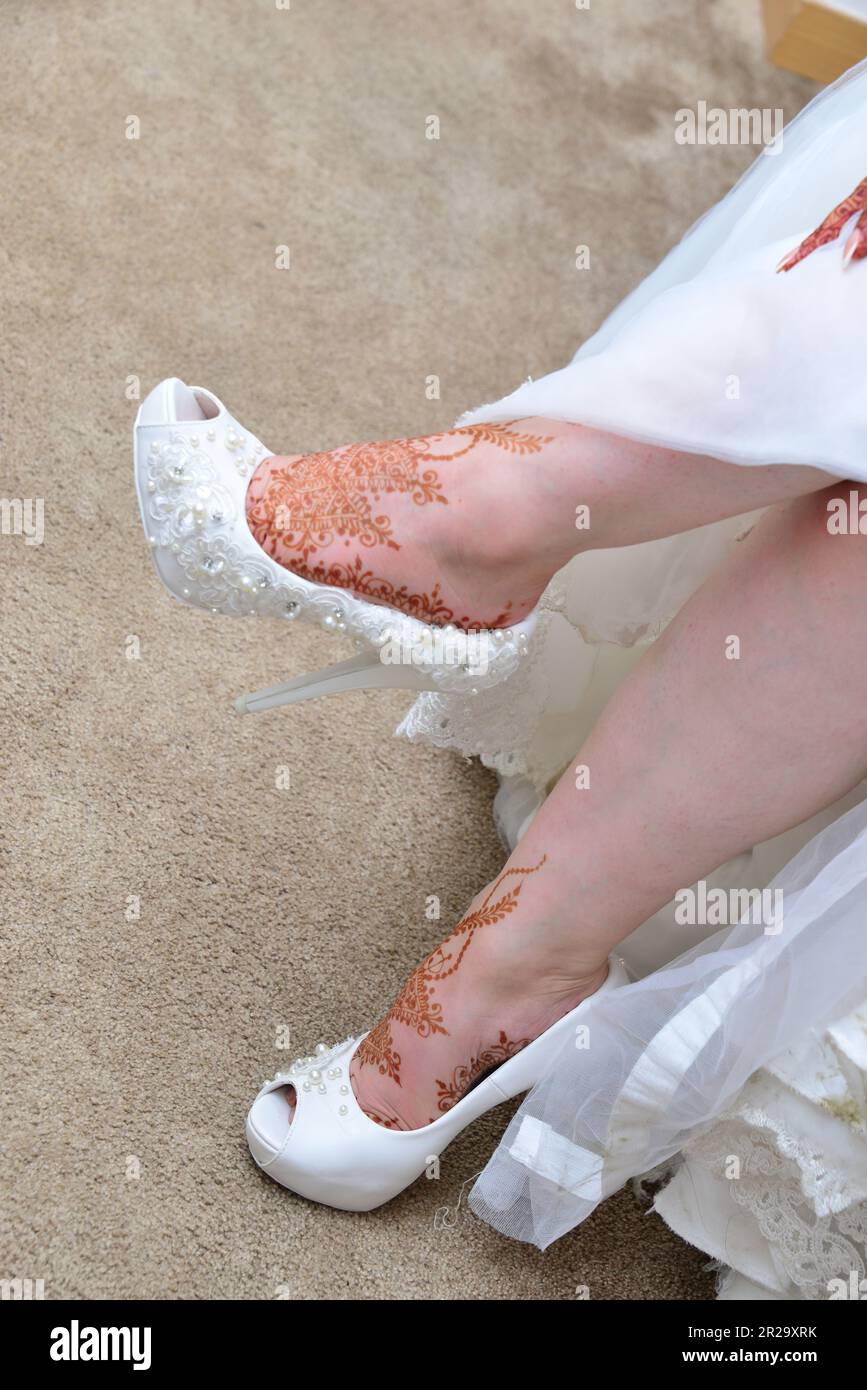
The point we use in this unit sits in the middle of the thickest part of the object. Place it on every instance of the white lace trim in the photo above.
(497, 725)
(810, 1250)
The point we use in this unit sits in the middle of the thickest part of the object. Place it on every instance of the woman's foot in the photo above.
(447, 528)
(507, 972)
(502, 976)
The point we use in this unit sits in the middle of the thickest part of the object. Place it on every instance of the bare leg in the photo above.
(696, 758)
(469, 526)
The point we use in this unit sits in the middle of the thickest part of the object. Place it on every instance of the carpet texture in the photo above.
(169, 908)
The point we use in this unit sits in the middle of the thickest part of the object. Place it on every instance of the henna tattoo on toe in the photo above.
(415, 1006)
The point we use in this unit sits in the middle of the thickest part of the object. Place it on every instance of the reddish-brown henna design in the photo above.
(414, 1006)
(379, 1119)
(428, 608)
(856, 246)
(465, 1077)
(314, 501)
(503, 436)
(319, 497)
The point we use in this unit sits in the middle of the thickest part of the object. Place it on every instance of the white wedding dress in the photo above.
(738, 1069)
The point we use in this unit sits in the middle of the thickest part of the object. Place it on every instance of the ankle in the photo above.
(495, 542)
(540, 966)
(491, 1020)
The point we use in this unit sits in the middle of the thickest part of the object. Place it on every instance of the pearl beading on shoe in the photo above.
(195, 484)
(307, 1073)
(192, 512)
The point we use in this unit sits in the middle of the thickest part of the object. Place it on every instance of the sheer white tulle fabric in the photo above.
(713, 353)
(664, 1057)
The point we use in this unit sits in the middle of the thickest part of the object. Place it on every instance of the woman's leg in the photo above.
(470, 525)
(699, 755)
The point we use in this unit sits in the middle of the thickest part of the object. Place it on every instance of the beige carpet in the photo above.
(131, 1047)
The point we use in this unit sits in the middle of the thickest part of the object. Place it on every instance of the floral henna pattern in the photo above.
(414, 1006)
(377, 1050)
(428, 608)
(441, 963)
(312, 501)
(829, 230)
(325, 495)
(465, 1077)
(319, 497)
(379, 1119)
(503, 436)
(300, 508)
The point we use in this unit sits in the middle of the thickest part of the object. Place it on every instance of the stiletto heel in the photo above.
(366, 671)
(193, 465)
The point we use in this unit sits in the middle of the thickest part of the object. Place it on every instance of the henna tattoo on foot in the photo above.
(465, 1077)
(428, 608)
(307, 504)
(379, 1119)
(298, 509)
(503, 436)
(415, 1006)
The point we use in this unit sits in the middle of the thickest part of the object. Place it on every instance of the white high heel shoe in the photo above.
(193, 465)
(332, 1153)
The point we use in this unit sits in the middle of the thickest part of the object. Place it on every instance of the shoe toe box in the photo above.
(268, 1124)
